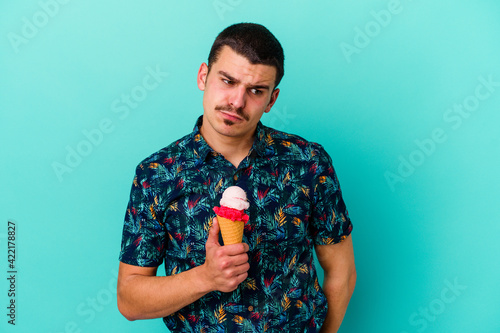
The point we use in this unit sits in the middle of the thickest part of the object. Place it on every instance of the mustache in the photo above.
(229, 108)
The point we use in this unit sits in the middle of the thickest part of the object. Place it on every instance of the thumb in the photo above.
(213, 233)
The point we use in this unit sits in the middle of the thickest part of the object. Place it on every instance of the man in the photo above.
(268, 282)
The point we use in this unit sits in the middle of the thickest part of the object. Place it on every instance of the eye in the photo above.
(227, 81)
(256, 91)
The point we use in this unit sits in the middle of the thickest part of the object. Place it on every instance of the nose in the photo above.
(238, 97)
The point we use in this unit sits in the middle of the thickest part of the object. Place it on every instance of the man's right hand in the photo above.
(225, 266)
(143, 295)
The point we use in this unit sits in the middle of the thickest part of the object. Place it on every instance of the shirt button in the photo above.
(250, 308)
(235, 177)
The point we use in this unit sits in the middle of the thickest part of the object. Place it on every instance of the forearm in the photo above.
(146, 297)
(338, 294)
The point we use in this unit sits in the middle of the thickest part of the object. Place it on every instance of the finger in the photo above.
(242, 277)
(235, 249)
(215, 225)
(241, 269)
(234, 273)
(239, 259)
(213, 233)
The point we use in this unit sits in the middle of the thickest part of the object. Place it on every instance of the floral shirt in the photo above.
(295, 202)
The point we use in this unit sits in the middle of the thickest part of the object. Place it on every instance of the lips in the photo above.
(231, 116)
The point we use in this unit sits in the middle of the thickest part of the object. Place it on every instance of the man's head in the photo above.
(252, 41)
(239, 83)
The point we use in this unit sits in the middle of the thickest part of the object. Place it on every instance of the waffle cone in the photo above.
(232, 231)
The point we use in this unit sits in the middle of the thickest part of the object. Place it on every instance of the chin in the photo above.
(229, 131)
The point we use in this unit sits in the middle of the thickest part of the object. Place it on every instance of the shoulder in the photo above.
(292, 145)
(163, 164)
(170, 153)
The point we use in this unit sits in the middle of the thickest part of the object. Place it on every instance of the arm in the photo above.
(143, 295)
(337, 261)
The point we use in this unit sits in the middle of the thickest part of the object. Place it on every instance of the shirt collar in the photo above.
(200, 147)
(261, 145)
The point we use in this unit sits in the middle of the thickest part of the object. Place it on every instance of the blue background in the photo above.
(369, 84)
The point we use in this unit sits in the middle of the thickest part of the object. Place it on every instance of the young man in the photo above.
(268, 282)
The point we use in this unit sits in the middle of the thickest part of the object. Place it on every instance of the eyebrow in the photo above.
(258, 86)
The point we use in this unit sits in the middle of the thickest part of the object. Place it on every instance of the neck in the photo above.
(234, 149)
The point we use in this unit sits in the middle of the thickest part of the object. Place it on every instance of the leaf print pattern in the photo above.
(295, 202)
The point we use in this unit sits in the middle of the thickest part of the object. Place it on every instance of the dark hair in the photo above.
(254, 42)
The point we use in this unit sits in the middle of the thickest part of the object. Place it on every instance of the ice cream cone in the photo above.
(232, 231)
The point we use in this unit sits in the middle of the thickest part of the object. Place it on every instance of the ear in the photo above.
(202, 76)
(274, 97)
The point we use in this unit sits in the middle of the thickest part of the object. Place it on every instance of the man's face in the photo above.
(236, 94)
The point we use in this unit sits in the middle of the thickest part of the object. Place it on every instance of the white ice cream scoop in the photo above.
(235, 197)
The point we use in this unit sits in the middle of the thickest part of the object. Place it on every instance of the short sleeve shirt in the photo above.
(295, 202)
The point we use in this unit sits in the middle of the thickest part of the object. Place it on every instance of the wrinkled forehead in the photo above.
(241, 69)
